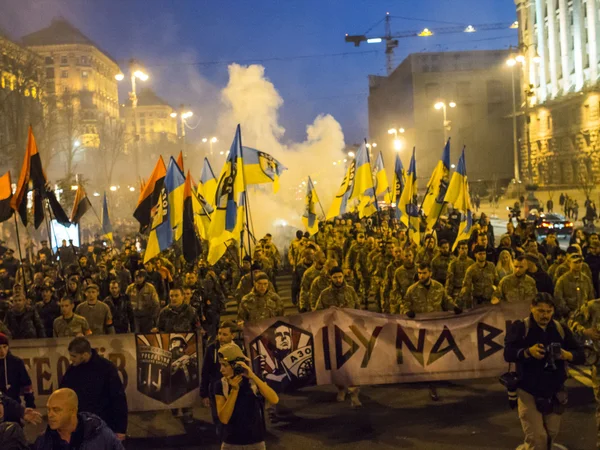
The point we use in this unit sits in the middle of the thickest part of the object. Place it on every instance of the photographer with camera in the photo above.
(539, 345)
(240, 396)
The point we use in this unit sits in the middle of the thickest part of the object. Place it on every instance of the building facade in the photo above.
(478, 83)
(560, 72)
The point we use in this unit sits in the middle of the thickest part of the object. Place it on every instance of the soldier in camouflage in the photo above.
(380, 259)
(322, 282)
(456, 273)
(307, 279)
(426, 295)
(440, 262)
(427, 252)
(404, 277)
(561, 257)
(480, 280)
(566, 265)
(586, 323)
(388, 279)
(574, 288)
(517, 287)
(177, 316)
(357, 261)
(261, 303)
(246, 283)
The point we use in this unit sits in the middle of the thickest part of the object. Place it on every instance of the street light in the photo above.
(184, 115)
(351, 154)
(512, 62)
(397, 142)
(210, 141)
(447, 123)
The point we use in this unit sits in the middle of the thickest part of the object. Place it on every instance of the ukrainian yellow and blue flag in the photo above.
(399, 181)
(208, 183)
(228, 218)
(202, 211)
(107, 231)
(260, 167)
(458, 194)
(363, 189)
(309, 218)
(382, 186)
(408, 202)
(339, 205)
(433, 203)
(174, 182)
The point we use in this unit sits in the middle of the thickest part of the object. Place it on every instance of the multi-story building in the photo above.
(560, 63)
(475, 88)
(151, 120)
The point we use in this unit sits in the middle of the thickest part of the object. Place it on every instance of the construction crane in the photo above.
(391, 40)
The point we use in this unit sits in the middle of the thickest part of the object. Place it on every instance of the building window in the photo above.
(83, 61)
(64, 61)
(142, 122)
(142, 114)
(50, 72)
(84, 74)
(64, 74)
(49, 60)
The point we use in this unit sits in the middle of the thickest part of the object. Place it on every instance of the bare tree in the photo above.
(586, 179)
(112, 141)
(70, 126)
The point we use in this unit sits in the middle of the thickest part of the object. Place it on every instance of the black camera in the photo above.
(510, 380)
(553, 353)
(237, 368)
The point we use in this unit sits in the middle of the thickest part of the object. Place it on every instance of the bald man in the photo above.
(69, 428)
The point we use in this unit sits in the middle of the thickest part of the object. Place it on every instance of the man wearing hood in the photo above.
(70, 427)
(14, 379)
(96, 382)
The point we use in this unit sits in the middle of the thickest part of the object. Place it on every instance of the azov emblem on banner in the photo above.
(286, 356)
(167, 365)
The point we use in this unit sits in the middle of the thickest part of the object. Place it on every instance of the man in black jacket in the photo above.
(539, 345)
(97, 384)
(14, 379)
(121, 309)
(543, 281)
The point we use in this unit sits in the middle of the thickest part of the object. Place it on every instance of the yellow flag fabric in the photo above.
(340, 204)
(309, 218)
(228, 218)
(175, 183)
(208, 183)
(260, 167)
(433, 203)
(382, 186)
(461, 200)
(408, 203)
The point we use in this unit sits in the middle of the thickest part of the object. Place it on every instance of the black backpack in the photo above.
(12, 437)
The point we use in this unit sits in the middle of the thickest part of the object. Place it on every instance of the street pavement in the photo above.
(470, 415)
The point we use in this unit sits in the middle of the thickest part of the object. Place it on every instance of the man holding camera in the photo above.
(539, 345)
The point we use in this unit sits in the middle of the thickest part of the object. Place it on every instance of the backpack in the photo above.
(12, 437)
(558, 325)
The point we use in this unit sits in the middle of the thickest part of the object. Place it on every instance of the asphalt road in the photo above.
(470, 415)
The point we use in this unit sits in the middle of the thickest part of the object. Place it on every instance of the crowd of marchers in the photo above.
(373, 264)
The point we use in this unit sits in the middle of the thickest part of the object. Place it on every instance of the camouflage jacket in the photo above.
(588, 316)
(307, 279)
(456, 274)
(404, 277)
(256, 307)
(357, 258)
(181, 319)
(336, 251)
(425, 256)
(439, 267)
(342, 297)
(144, 301)
(571, 292)
(379, 263)
(513, 289)
(319, 284)
(480, 281)
(388, 280)
(422, 299)
(245, 286)
(565, 267)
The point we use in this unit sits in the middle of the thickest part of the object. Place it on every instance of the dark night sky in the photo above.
(168, 35)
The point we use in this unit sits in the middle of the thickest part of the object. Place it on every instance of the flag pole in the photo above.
(320, 204)
(374, 185)
(54, 234)
(246, 199)
(20, 253)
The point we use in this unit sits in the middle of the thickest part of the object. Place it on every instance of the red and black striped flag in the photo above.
(150, 194)
(189, 239)
(81, 205)
(5, 197)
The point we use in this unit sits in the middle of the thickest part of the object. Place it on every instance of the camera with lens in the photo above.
(510, 380)
(553, 352)
(238, 369)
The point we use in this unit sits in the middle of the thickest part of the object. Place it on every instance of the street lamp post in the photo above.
(512, 62)
(136, 71)
(183, 115)
(447, 123)
(210, 142)
(397, 141)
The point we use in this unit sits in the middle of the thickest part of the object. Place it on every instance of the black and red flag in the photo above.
(150, 194)
(81, 205)
(189, 239)
(6, 211)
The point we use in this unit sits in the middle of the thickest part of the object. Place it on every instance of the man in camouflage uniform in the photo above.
(295, 249)
(340, 295)
(380, 259)
(246, 284)
(308, 257)
(427, 252)
(357, 261)
(561, 257)
(144, 301)
(456, 272)
(426, 295)
(440, 262)
(261, 303)
(274, 256)
(574, 288)
(335, 248)
(566, 265)
(586, 323)
(480, 280)
(388, 279)
(517, 287)
(404, 277)
(309, 276)
(322, 282)
(177, 316)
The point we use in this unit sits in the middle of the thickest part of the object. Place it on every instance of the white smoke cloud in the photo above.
(252, 100)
